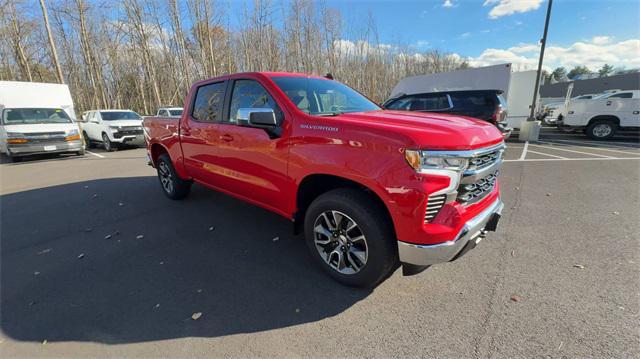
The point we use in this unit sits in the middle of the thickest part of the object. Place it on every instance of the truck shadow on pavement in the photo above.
(114, 261)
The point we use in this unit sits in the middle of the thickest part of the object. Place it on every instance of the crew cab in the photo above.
(370, 189)
(601, 117)
(112, 128)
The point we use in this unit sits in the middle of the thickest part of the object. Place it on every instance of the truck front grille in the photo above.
(485, 160)
(434, 205)
(44, 137)
(479, 179)
(473, 192)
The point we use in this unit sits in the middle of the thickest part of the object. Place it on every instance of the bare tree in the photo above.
(54, 53)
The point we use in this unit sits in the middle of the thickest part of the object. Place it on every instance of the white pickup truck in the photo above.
(169, 112)
(602, 116)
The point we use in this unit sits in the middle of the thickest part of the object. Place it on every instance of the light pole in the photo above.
(531, 130)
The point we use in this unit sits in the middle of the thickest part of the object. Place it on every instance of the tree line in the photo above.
(142, 54)
(560, 74)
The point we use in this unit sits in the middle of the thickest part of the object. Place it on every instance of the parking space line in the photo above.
(573, 151)
(596, 144)
(524, 150)
(95, 154)
(546, 154)
(573, 159)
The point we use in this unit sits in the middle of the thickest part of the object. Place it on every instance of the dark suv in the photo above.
(486, 105)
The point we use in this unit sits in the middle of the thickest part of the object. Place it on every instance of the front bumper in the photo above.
(470, 234)
(129, 139)
(40, 148)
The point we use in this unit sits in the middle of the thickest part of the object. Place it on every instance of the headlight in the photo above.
(114, 128)
(15, 135)
(72, 132)
(422, 162)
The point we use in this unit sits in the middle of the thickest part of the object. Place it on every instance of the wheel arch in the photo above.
(156, 151)
(314, 185)
(610, 118)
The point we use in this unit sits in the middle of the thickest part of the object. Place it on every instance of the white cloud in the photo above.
(422, 43)
(447, 3)
(592, 54)
(465, 34)
(510, 7)
(601, 40)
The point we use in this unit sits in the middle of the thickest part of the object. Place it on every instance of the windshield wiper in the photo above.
(328, 113)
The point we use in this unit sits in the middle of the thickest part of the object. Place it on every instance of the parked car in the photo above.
(368, 188)
(112, 128)
(487, 105)
(169, 112)
(37, 118)
(604, 115)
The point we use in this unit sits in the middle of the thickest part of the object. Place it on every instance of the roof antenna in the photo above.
(329, 76)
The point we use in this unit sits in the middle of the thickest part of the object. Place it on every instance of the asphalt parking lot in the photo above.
(96, 262)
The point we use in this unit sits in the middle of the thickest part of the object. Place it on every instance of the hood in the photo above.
(432, 130)
(40, 127)
(124, 123)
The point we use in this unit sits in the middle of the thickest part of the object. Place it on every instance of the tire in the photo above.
(87, 140)
(339, 250)
(601, 129)
(172, 186)
(108, 145)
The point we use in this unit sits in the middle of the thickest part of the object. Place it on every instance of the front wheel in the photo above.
(351, 237)
(173, 186)
(601, 130)
(108, 145)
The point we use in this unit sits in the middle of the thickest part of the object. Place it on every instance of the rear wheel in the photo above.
(601, 129)
(173, 186)
(351, 237)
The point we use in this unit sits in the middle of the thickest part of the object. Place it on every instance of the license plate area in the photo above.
(50, 148)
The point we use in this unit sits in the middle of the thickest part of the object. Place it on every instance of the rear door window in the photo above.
(208, 102)
(430, 103)
(473, 100)
(622, 95)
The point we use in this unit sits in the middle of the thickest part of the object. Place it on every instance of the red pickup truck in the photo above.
(370, 189)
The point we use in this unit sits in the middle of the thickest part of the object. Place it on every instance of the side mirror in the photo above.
(257, 117)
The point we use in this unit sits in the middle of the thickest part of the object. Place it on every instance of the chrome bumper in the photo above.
(130, 140)
(40, 148)
(424, 255)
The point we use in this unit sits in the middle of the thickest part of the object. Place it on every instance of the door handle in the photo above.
(636, 112)
(226, 137)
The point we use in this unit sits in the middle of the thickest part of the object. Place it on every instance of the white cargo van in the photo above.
(37, 118)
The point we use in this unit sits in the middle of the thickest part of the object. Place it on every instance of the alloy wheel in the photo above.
(340, 242)
(166, 178)
(602, 130)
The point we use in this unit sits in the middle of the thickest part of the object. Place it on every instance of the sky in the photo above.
(581, 32)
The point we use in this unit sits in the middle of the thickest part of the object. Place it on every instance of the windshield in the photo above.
(18, 116)
(119, 115)
(175, 112)
(323, 97)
